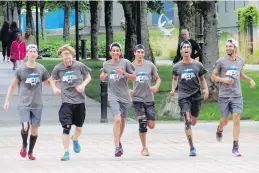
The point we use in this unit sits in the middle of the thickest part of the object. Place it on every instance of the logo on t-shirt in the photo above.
(33, 79)
(232, 71)
(188, 74)
(141, 77)
(114, 75)
(69, 77)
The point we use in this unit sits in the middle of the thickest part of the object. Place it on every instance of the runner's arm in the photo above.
(11, 88)
(174, 83)
(215, 77)
(204, 83)
(87, 80)
(244, 76)
(158, 80)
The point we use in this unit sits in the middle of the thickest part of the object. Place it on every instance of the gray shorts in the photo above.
(231, 105)
(33, 116)
(119, 108)
(147, 109)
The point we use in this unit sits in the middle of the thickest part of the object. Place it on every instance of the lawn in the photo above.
(209, 111)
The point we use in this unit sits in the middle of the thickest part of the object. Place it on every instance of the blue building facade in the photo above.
(53, 20)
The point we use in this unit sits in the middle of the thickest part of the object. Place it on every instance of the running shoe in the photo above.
(144, 152)
(65, 156)
(23, 151)
(235, 152)
(192, 152)
(118, 152)
(219, 135)
(31, 157)
(76, 146)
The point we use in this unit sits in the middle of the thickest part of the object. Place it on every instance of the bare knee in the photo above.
(34, 130)
(151, 124)
(224, 121)
(25, 126)
(117, 119)
(236, 119)
(194, 121)
(79, 129)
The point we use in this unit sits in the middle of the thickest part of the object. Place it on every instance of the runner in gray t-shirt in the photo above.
(73, 77)
(228, 71)
(29, 77)
(118, 71)
(142, 94)
(189, 73)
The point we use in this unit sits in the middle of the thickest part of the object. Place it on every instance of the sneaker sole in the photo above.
(145, 154)
(118, 154)
(64, 159)
(236, 155)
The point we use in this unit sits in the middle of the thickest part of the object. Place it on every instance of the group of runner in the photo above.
(73, 76)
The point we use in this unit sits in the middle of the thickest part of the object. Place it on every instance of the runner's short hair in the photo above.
(139, 46)
(66, 48)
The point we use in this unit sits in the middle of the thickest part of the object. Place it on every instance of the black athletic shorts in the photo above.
(191, 104)
(145, 108)
(72, 114)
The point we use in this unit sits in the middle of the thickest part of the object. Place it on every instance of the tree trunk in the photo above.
(130, 12)
(186, 15)
(66, 28)
(19, 10)
(145, 33)
(94, 29)
(210, 46)
(15, 15)
(108, 10)
(42, 19)
(29, 18)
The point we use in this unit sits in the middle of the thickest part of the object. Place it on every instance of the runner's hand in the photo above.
(252, 83)
(6, 105)
(80, 88)
(153, 89)
(172, 92)
(131, 92)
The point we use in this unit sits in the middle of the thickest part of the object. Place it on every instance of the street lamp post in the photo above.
(77, 32)
(139, 22)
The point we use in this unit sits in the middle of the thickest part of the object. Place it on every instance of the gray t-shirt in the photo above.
(188, 79)
(30, 85)
(118, 89)
(228, 68)
(143, 82)
(70, 77)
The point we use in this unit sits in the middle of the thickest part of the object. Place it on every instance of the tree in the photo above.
(186, 15)
(42, 19)
(29, 18)
(130, 11)
(19, 10)
(66, 28)
(94, 28)
(145, 33)
(108, 10)
(210, 47)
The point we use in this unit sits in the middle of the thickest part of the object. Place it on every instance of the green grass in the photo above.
(209, 111)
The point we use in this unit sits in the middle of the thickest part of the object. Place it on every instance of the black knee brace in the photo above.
(25, 131)
(66, 130)
(143, 124)
(187, 123)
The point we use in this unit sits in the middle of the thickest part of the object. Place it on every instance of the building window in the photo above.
(234, 4)
(226, 8)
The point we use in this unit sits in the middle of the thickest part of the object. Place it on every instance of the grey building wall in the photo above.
(228, 17)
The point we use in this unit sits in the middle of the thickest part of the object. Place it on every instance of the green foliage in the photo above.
(172, 53)
(246, 15)
(156, 6)
(54, 5)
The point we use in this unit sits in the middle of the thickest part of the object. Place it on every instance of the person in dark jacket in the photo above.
(5, 40)
(196, 50)
(13, 33)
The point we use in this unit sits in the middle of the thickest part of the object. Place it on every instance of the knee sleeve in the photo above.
(66, 130)
(25, 131)
(143, 125)
(187, 123)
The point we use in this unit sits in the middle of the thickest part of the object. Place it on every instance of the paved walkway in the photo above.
(167, 144)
